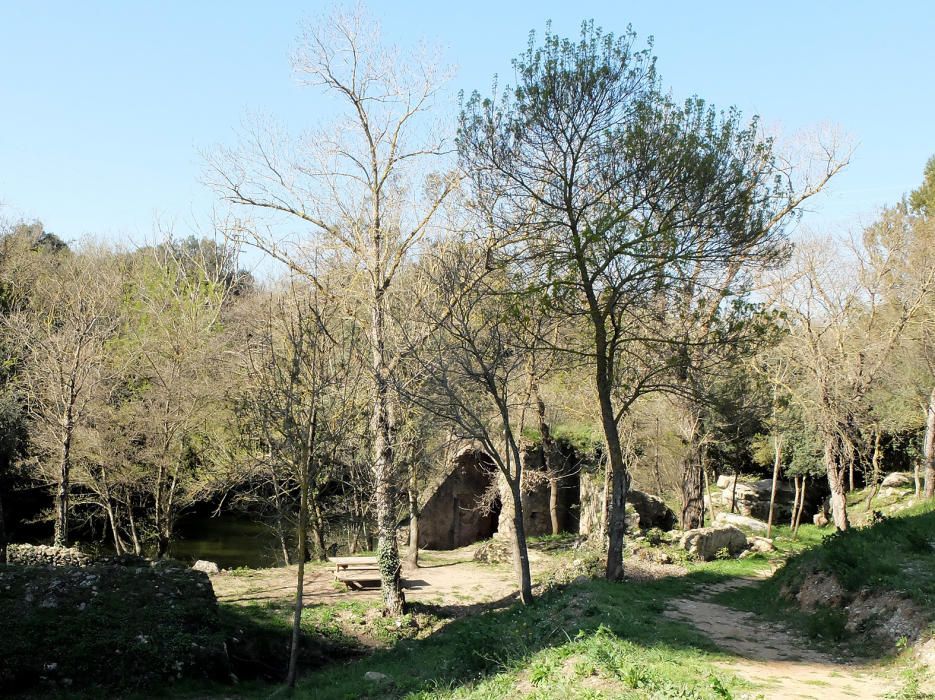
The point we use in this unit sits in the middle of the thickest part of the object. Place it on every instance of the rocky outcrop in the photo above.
(741, 521)
(494, 551)
(652, 510)
(726, 481)
(898, 480)
(751, 498)
(43, 555)
(707, 542)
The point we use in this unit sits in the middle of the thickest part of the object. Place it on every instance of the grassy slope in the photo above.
(897, 554)
(592, 639)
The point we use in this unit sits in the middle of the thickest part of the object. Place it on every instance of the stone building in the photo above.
(465, 503)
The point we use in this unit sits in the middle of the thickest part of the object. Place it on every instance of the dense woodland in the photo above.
(579, 257)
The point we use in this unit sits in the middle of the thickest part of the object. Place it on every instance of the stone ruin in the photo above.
(465, 504)
(457, 509)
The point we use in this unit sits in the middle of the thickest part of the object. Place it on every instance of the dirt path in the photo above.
(773, 657)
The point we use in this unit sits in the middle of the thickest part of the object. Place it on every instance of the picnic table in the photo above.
(356, 572)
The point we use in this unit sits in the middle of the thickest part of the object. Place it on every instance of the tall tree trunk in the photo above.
(119, 547)
(520, 552)
(693, 480)
(929, 447)
(605, 502)
(134, 537)
(319, 521)
(795, 499)
(553, 506)
(383, 458)
(283, 544)
(412, 556)
(546, 451)
(798, 514)
(60, 537)
(619, 478)
(777, 460)
(299, 581)
(837, 473)
(874, 485)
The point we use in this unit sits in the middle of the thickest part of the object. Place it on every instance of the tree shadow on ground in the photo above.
(492, 637)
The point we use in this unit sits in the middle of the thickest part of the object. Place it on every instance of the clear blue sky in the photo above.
(104, 106)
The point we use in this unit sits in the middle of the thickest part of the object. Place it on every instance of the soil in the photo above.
(774, 658)
(449, 578)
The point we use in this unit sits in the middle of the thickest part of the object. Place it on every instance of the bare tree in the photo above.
(845, 319)
(365, 190)
(62, 330)
(474, 377)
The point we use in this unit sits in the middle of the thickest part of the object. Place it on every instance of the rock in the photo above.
(376, 677)
(652, 510)
(494, 551)
(632, 518)
(898, 480)
(821, 519)
(706, 542)
(761, 544)
(725, 481)
(925, 653)
(741, 521)
(820, 589)
(752, 499)
(651, 554)
(205, 567)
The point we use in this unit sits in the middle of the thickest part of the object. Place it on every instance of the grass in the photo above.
(897, 554)
(593, 639)
(590, 639)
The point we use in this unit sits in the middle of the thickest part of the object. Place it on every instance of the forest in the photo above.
(580, 265)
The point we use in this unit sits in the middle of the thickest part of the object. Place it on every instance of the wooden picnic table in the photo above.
(354, 572)
(353, 562)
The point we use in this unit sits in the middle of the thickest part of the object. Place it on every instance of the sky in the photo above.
(107, 107)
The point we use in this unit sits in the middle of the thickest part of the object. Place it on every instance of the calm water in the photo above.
(228, 540)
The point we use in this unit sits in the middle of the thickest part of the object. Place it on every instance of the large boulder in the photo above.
(205, 567)
(741, 521)
(725, 481)
(898, 480)
(652, 510)
(752, 499)
(706, 542)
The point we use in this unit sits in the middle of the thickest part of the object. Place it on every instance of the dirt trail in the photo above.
(775, 658)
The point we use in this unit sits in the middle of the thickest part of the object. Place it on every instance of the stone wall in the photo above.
(43, 555)
(451, 516)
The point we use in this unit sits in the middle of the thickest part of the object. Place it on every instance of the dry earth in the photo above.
(776, 658)
(444, 578)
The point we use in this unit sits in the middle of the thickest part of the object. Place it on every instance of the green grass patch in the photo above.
(897, 554)
(587, 640)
